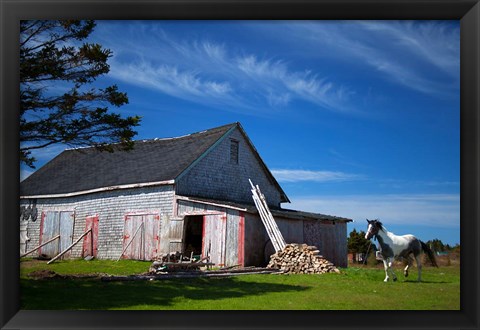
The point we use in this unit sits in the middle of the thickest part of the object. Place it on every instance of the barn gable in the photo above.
(223, 172)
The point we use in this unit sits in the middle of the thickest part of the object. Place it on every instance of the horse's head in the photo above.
(374, 226)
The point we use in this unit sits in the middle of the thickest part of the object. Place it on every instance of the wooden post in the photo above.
(38, 247)
(68, 248)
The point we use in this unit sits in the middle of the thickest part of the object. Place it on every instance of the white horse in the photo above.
(393, 247)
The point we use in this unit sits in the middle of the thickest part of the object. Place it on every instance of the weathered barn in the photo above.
(187, 194)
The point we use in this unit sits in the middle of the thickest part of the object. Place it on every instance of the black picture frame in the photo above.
(12, 11)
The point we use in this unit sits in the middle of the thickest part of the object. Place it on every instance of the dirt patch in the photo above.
(44, 274)
(51, 275)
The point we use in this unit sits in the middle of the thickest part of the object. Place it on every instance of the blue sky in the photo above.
(359, 119)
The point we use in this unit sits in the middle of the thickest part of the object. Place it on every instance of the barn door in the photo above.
(141, 236)
(90, 241)
(176, 235)
(214, 238)
(132, 239)
(152, 238)
(55, 223)
(66, 232)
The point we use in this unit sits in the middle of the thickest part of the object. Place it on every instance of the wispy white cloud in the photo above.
(296, 84)
(313, 176)
(422, 56)
(435, 210)
(173, 81)
(434, 41)
(205, 71)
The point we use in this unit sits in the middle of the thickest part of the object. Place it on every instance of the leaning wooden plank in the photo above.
(68, 248)
(126, 247)
(38, 247)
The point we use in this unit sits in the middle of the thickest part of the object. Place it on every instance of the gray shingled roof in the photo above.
(150, 161)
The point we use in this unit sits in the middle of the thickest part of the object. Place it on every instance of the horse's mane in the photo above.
(380, 225)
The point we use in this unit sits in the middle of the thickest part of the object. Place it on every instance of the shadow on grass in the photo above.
(431, 282)
(68, 294)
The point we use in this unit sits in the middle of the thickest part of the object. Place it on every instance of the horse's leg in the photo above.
(418, 258)
(385, 266)
(390, 267)
(409, 264)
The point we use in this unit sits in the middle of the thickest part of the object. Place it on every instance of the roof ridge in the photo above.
(161, 139)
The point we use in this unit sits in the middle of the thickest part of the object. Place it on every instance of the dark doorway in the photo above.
(193, 235)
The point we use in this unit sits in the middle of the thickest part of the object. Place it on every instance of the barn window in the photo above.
(234, 151)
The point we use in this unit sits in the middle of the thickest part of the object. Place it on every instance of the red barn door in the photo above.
(90, 241)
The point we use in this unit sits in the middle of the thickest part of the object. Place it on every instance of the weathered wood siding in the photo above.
(330, 238)
(216, 177)
(111, 207)
(255, 240)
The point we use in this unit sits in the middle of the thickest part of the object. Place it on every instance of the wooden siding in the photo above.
(330, 238)
(255, 240)
(111, 208)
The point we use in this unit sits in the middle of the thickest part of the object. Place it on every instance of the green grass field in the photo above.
(354, 289)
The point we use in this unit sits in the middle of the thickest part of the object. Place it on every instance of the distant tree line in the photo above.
(438, 246)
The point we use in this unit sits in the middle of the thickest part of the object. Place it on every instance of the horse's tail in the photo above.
(430, 254)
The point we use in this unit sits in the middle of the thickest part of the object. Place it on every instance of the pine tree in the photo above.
(57, 103)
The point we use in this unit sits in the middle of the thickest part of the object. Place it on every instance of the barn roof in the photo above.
(150, 161)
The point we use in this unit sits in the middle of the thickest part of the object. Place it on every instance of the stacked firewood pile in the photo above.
(301, 259)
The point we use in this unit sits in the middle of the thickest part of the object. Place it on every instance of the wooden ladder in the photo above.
(268, 221)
